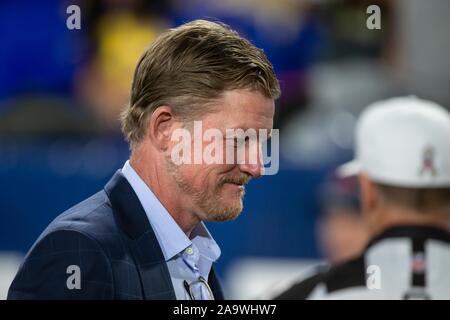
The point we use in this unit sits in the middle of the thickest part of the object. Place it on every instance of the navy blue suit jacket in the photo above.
(108, 236)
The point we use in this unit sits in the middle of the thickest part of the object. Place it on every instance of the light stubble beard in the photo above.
(211, 202)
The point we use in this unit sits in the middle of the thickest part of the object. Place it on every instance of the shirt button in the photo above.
(189, 251)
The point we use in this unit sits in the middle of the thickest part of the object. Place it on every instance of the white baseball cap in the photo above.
(403, 142)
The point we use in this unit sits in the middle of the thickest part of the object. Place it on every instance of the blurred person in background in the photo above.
(341, 230)
(403, 165)
(143, 236)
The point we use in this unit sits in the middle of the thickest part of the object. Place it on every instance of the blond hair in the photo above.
(190, 66)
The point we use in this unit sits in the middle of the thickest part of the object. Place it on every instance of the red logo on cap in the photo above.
(428, 161)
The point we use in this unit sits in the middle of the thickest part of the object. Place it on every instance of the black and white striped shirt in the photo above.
(404, 262)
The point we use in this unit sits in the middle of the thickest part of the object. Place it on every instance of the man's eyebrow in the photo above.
(269, 134)
(245, 128)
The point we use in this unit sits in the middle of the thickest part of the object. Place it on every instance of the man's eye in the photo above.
(238, 142)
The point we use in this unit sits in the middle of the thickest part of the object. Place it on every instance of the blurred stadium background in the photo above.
(61, 91)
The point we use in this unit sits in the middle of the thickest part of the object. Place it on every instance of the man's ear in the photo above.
(369, 194)
(160, 126)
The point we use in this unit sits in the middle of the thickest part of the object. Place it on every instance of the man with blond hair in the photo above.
(143, 236)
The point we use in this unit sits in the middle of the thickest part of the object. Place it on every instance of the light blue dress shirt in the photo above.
(187, 258)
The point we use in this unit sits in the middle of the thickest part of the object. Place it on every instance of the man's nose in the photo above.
(253, 165)
(254, 170)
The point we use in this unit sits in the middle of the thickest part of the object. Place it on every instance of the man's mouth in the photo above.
(239, 186)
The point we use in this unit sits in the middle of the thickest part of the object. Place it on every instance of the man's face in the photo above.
(216, 189)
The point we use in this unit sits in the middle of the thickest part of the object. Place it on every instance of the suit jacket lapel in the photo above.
(155, 277)
(214, 284)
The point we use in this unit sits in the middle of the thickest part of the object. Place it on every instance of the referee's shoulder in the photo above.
(349, 274)
(302, 289)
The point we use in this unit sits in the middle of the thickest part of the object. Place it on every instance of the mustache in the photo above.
(241, 179)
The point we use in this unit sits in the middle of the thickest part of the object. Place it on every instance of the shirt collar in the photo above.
(170, 236)
(203, 240)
